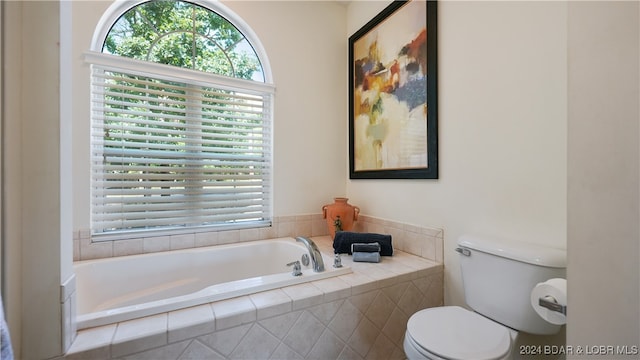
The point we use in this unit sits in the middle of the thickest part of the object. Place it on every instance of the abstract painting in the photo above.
(393, 94)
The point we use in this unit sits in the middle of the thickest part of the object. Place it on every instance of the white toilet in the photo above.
(497, 278)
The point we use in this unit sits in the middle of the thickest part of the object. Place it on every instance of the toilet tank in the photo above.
(498, 277)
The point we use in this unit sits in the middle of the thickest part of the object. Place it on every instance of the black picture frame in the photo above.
(392, 78)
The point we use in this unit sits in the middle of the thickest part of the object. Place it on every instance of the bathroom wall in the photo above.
(34, 217)
(604, 183)
(503, 143)
(502, 118)
(502, 129)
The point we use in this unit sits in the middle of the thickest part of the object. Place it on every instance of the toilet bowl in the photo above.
(497, 278)
(452, 332)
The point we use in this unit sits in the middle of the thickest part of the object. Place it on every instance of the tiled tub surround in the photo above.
(426, 242)
(359, 315)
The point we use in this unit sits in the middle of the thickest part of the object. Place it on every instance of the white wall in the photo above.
(604, 159)
(503, 142)
(33, 213)
(502, 129)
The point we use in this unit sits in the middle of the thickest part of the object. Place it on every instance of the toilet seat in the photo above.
(452, 332)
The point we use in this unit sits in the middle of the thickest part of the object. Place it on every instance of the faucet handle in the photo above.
(297, 268)
(337, 261)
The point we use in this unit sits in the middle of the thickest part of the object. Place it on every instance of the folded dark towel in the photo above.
(373, 257)
(343, 240)
(365, 247)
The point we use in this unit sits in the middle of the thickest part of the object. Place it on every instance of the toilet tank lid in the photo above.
(529, 253)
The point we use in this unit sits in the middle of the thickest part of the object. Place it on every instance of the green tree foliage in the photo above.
(186, 35)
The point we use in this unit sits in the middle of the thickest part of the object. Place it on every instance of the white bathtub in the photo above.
(118, 289)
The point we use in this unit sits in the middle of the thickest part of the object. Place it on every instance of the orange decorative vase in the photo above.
(340, 215)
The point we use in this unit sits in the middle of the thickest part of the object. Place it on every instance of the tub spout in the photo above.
(314, 253)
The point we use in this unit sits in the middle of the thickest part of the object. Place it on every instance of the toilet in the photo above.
(497, 277)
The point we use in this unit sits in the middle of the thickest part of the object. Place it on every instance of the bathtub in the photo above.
(123, 288)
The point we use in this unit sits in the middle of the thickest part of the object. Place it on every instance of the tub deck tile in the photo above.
(360, 283)
(233, 312)
(191, 322)
(271, 303)
(304, 295)
(140, 334)
(333, 288)
(94, 343)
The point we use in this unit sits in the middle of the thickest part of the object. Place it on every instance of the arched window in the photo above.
(181, 121)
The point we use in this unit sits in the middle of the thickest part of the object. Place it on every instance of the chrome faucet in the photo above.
(314, 253)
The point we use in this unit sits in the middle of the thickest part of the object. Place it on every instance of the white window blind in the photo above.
(177, 149)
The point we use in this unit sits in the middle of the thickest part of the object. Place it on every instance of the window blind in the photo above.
(171, 152)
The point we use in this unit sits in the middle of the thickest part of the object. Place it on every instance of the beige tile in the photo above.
(197, 350)
(398, 354)
(96, 339)
(304, 333)
(226, 340)
(304, 295)
(140, 334)
(413, 262)
(97, 250)
(439, 250)
(380, 310)
(359, 282)
(286, 229)
(269, 232)
(100, 353)
(283, 352)
(334, 288)
(209, 238)
(326, 311)
(363, 337)
(382, 348)
(171, 351)
(429, 248)
(381, 274)
(156, 244)
(271, 303)
(182, 241)
(76, 249)
(303, 226)
(257, 344)
(400, 268)
(191, 322)
(128, 247)
(349, 354)
(280, 325)
(412, 228)
(396, 326)
(345, 321)
(411, 299)
(364, 300)
(434, 296)
(328, 346)
(233, 312)
(396, 291)
(228, 237)
(435, 232)
(249, 235)
(319, 227)
(412, 243)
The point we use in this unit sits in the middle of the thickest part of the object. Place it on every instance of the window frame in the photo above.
(118, 8)
(95, 56)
